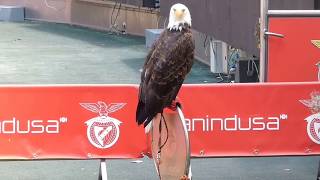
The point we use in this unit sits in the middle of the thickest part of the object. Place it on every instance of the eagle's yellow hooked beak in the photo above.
(179, 14)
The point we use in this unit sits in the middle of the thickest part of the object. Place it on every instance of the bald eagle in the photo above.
(167, 64)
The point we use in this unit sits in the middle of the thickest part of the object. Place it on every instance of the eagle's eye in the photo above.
(174, 9)
(183, 10)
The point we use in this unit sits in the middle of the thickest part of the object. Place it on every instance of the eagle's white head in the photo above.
(179, 15)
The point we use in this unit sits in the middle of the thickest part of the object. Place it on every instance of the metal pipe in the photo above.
(294, 13)
(274, 34)
(188, 171)
(103, 170)
(263, 45)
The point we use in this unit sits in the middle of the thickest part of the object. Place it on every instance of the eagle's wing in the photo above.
(163, 75)
(307, 103)
(93, 107)
(170, 71)
(140, 112)
(151, 53)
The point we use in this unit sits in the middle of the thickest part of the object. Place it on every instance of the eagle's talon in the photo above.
(174, 105)
(184, 178)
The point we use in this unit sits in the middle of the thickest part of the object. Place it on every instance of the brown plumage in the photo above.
(165, 68)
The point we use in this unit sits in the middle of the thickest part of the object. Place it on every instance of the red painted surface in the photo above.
(293, 58)
(46, 107)
(52, 103)
(262, 103)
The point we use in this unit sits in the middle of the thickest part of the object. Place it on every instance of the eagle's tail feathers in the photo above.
(148, 120)
(141, 114)
(148, 127)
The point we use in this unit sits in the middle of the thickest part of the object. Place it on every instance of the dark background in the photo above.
(317, 4)
(233, 21)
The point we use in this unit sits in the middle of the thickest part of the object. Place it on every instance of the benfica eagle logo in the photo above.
(313, 127)
(103, 131)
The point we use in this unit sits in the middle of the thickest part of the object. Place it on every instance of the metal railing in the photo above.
(264, 14)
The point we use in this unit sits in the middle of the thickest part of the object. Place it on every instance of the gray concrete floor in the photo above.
(44, 53)
(47, 53)
(270, 168)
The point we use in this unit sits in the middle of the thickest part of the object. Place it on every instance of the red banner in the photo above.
(252, 119)
(293, 58)
(99, 121)
(69, 122)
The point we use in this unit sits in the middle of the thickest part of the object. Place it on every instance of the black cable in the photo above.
(114, 20)
(160, 129)
(118, 12)
(222, 79)
(205, 42)
(114, 7)
(229, 59)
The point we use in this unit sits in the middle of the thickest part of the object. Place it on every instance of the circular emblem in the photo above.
(313, 129)
(103, 132)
